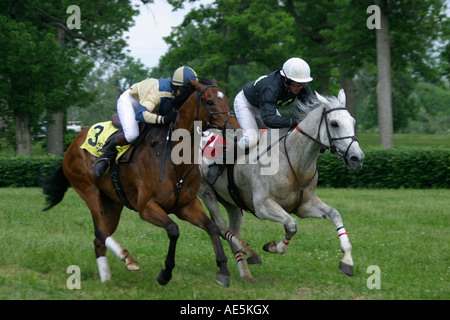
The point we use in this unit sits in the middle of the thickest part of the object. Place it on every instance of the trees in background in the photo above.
(46, 55)
(51, 69)
(237, 40)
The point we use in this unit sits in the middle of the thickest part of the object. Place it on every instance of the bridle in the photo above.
(332, 147)
(200, 104)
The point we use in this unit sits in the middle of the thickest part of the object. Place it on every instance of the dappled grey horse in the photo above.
(324, 123)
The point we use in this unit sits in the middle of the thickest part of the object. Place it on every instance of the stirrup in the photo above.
(100, 172)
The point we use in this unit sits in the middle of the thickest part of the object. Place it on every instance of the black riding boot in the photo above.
(101, 166)
(214, 172)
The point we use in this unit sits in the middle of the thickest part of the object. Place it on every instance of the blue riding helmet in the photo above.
(183, 75)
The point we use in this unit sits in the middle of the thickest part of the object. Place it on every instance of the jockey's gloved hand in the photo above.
(171, 116)
(294, 123)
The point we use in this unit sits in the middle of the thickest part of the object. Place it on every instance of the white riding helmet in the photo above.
(297, 70)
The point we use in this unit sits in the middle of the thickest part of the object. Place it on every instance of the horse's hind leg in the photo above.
(236, 219)
(237, 245)
(111, 214)
(106, 215)
(154, 214)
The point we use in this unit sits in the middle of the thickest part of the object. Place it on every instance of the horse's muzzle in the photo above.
(354, 159)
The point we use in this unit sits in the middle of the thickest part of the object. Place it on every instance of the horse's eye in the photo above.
(334, 124)
(210, 103)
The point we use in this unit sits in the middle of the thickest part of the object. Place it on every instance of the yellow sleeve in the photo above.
(152, 118)
(147, 93)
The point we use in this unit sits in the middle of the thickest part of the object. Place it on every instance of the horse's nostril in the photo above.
(354, 158)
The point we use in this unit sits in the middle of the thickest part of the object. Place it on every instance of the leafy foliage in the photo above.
(383, 168)
(44, 63)
(390, 168)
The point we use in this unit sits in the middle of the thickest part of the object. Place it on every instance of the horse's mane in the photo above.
(303, 107)
(185, 92)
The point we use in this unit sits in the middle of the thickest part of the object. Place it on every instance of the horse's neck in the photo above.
(187, 114)
(303, 151)
(186, 133)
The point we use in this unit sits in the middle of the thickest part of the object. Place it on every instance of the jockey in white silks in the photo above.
(147, 101)
(256, 105)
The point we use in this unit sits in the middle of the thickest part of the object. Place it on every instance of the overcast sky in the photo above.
(152, 24)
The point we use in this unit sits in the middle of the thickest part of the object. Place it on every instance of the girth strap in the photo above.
(114, 174)
(234, 191)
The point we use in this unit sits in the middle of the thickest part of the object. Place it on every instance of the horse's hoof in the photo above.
(254, 260)
(162, 278)
(223, 280)
(271, 247)
(346, 269)
(133, 266)
(250, 279)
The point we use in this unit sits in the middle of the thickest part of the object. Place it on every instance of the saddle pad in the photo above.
(97, 136)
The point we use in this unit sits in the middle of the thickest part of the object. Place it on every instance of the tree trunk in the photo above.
(349, 87)
(384, 94)
(55, 133)
(22, 134)
(56, 119)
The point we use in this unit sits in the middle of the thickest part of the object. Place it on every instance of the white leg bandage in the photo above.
(115, 247)
(103, 269)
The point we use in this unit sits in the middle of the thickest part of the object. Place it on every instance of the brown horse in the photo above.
(151, 197)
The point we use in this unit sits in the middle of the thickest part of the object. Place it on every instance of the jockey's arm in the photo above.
(149, 95)
(269, 114)
(144, 115)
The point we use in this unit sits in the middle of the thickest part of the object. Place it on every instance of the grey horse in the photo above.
(282, 180)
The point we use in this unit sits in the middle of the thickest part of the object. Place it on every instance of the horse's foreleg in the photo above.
(271, 210)
(316, 208)
(154, 214)
(196, 215)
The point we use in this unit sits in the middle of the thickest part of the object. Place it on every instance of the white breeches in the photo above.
(249, 117)
(126, 108)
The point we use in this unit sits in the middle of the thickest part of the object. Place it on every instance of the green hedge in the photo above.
(382, 168)
(27, 172)
(389, 168)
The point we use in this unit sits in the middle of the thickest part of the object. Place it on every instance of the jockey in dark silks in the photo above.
(256, 105)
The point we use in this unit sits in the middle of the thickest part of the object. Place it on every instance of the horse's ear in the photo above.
(341, 97)
(320, 98)
(214, 81)
(196, 84)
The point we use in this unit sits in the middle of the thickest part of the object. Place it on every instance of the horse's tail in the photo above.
(55, 189)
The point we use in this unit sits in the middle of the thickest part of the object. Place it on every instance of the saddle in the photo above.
(143, 129)
(99, 135)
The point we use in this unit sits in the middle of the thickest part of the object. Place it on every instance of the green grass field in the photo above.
(403, 232)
